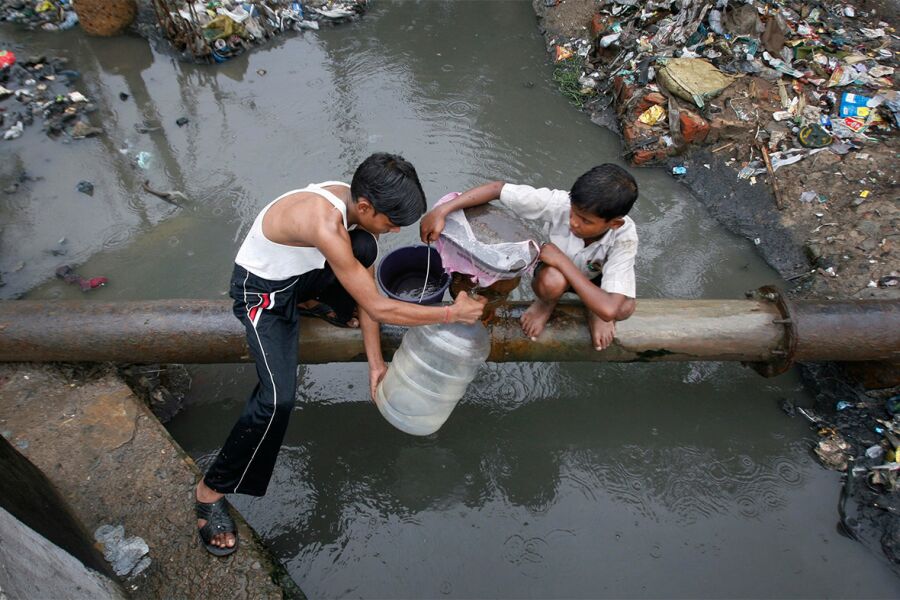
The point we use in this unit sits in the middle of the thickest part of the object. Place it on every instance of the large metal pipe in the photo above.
(204, 331)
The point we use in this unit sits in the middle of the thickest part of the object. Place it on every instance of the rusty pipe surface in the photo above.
(205, 331)
(827, 330)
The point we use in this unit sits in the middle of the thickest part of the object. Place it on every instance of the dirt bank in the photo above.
(822, 211)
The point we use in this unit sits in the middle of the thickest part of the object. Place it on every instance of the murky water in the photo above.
(548, 480)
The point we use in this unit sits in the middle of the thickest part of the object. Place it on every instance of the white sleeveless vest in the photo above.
(269, 260)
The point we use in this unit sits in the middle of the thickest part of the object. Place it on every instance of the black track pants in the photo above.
(268, 310)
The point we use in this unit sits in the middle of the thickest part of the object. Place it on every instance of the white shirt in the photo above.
(612, 255)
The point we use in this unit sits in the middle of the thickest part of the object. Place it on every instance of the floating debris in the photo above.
(85, 187)
(68, 274)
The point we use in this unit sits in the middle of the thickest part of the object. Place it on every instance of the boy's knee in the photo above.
(549, 282)
(282, 405)
(626, 310)
(365, 247)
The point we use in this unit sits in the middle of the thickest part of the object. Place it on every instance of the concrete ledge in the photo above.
(115, 464)
(32, 567)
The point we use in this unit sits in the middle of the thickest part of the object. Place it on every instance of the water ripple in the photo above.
(686, 482)
(502, 387)
(459, 108)
(114, 236)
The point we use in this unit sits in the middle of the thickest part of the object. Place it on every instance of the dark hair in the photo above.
(607, 191)
(391, 184)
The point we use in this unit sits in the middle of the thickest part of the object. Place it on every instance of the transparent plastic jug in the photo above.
(429, 374)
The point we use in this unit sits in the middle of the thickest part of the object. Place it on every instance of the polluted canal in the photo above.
(548, 480)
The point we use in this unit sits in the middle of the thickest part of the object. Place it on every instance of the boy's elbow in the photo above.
(377, 314)
(380, 311)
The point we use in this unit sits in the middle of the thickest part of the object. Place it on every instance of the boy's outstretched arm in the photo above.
(371, 332)
(333, 241)
(433, 222)
(605, 305)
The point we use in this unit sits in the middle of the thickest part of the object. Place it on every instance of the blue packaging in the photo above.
(855, 105)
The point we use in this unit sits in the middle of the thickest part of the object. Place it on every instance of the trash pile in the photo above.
(48, 15)
(42, 88)
(800, 95)
(861, 438)
(799, 77)
(879, 437)
(219, 30)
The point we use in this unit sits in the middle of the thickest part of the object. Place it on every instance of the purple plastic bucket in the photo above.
(401, 274)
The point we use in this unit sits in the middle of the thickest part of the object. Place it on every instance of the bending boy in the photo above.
(316, 243)
(592, 245)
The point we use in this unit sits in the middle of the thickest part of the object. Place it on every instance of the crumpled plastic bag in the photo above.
(222, 27)
(485, 264)
(743, 20)
(833, 450)
(692, 79)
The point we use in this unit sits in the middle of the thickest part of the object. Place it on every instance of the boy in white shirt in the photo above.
(591, 249)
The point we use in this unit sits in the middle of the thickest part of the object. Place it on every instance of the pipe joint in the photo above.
(783, 355)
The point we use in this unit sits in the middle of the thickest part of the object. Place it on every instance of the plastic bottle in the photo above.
(429, 375)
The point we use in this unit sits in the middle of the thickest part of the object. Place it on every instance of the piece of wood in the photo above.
(778, 201)
(725, 147)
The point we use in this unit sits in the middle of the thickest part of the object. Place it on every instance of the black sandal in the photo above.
(326, 313)
(217, 521)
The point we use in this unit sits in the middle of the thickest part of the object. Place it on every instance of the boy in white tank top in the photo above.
(315, 246)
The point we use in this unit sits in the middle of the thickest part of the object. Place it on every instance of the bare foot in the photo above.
(536, 317)
(602, 332)
(207, 495)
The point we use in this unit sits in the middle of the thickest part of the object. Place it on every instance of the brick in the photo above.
(648, 156)
(649, 100)
(629, 134)
(694, 128)
(599, 23)
(624, 90)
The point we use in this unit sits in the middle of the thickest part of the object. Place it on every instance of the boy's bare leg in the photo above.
(603, 332)
(207, 495)
(549, 285)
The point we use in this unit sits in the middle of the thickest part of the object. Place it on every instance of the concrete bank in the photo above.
(114, 464)
(33, 567)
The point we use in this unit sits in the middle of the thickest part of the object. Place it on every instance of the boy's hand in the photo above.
(551, 255)
(431, 226)
(376, 374)
(468, 309)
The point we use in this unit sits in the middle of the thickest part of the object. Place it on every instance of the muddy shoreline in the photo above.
(785, 237)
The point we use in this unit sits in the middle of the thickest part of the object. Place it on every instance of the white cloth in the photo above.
(276, 262)
(612, 255)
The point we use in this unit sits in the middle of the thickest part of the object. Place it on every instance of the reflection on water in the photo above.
(549, 480)
(554, 480)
